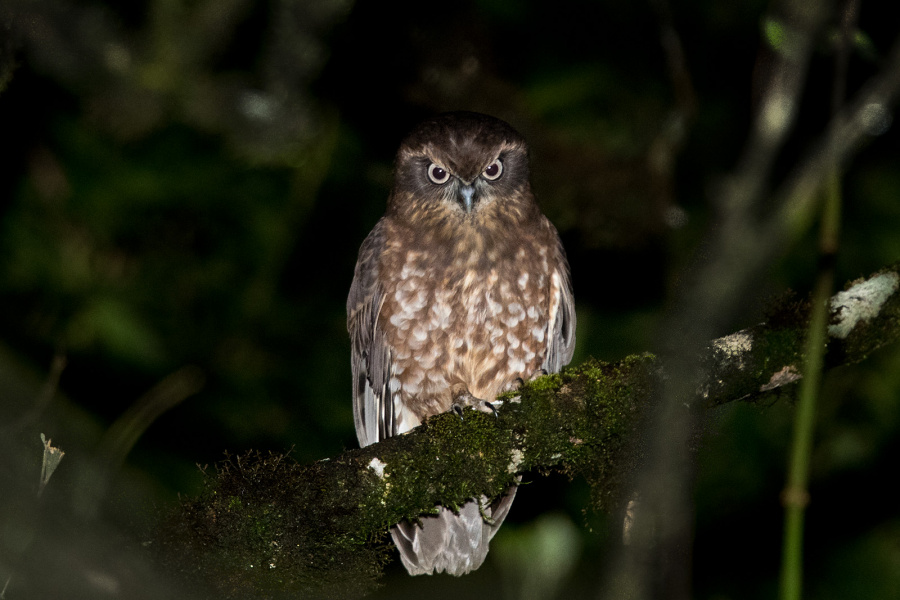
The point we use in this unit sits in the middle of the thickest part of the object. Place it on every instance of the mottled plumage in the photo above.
(460, 292)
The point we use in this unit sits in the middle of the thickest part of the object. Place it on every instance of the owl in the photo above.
(461, 292)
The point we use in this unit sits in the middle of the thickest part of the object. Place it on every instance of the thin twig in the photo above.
(795, 496)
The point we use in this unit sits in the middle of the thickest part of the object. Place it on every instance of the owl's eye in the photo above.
(437, 175)
(493, 171)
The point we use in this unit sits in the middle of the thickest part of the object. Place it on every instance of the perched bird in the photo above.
(461, 292)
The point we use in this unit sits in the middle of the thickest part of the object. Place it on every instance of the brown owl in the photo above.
(461, 292)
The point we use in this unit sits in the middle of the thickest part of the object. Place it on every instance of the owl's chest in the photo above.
(479, 324)
(424, 292)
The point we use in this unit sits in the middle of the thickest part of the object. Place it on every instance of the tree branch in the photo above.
(268, 526)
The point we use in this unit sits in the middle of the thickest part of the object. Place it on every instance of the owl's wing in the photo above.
(561, 329)
(373, 411)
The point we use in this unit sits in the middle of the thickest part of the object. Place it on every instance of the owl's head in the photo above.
(462, 167)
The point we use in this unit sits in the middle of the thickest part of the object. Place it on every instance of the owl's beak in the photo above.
(467, 197)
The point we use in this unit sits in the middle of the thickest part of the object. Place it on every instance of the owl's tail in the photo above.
(448, 542)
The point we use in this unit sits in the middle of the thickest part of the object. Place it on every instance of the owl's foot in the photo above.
(519, 383)
(464, 399)
(538, 373)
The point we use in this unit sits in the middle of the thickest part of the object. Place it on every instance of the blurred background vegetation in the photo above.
(187, 183)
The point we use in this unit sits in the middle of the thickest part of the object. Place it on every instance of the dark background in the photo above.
(188, 183)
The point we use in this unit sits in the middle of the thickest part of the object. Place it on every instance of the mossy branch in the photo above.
(267, 526)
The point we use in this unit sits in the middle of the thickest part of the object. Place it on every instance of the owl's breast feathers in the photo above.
(469, 312)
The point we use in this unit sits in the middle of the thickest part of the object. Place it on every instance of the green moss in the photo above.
(258, 531)
(582, 418)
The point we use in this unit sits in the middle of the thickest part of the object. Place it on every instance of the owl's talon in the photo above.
(538, 373)
(490, 406)
(464, 399)
(518, 383)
